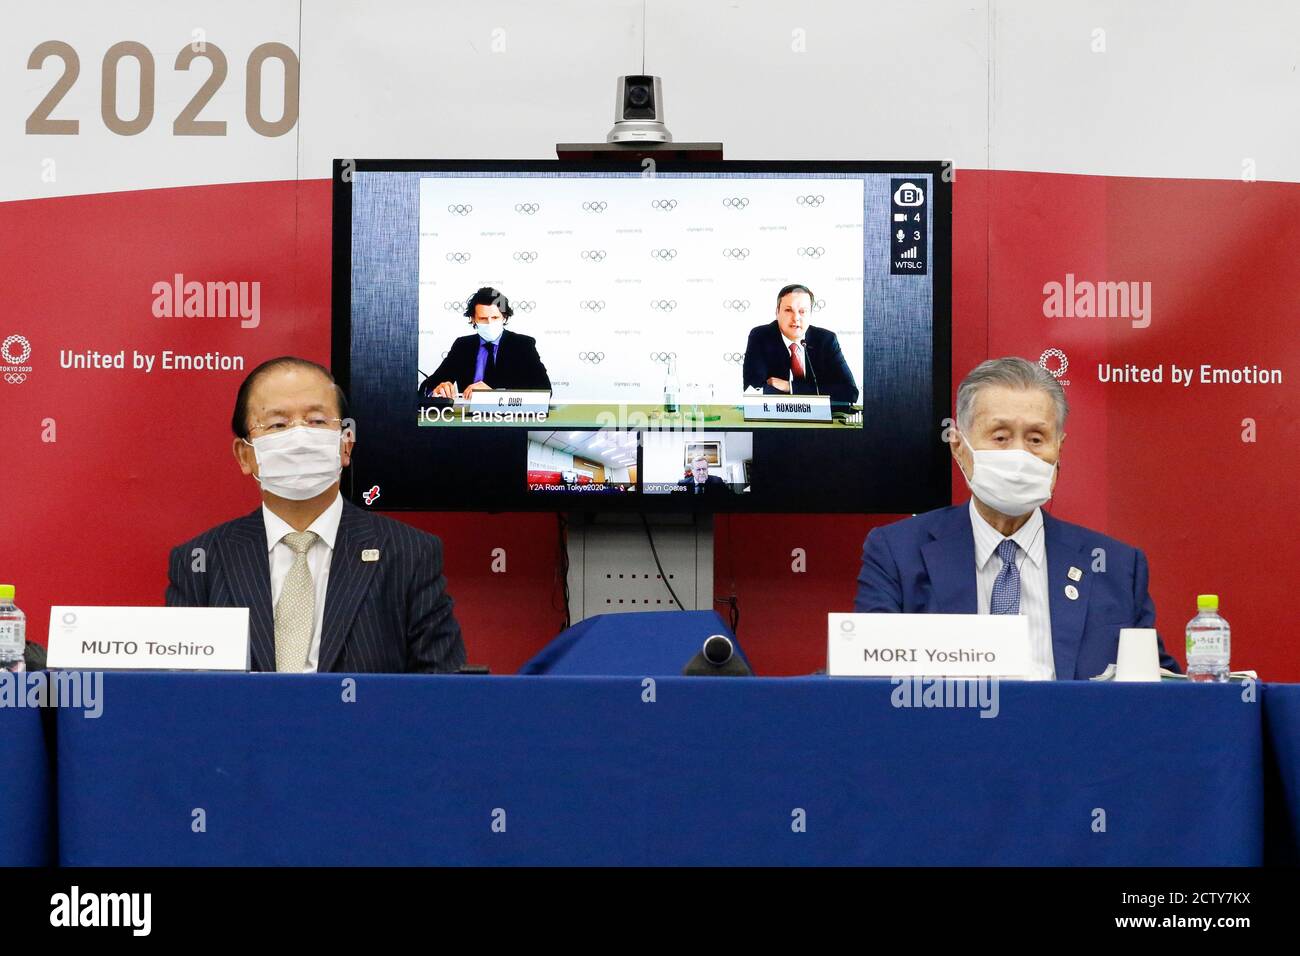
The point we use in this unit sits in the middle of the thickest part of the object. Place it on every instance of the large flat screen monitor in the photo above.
(732, 336)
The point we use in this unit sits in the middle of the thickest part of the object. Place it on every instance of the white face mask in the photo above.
(298, 463)
(490, 331)
(1010, 481)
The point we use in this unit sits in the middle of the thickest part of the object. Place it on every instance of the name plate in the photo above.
(514, 400)
(927, 645)
(149, 638)
(794, 408)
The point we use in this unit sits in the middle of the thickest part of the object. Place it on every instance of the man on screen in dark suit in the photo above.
(493, 357)
(789, 356)
(700, 482)
(328, 586)
(1000, 553)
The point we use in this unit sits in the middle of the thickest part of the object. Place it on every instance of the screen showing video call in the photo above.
(732, 336)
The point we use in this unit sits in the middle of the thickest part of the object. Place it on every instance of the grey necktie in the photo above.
(295, 612)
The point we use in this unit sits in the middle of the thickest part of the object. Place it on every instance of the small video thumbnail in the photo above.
(582, 462)
(711, 464)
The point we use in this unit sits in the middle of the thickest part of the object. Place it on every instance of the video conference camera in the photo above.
(639, 112)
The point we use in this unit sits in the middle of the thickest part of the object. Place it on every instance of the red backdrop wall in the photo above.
(105, 470)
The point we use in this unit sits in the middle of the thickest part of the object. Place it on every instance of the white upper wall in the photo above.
(96, 160)
(1183, 88)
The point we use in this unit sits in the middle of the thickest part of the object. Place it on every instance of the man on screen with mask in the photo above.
(1001, 553)
(492, 357)
(329, 586)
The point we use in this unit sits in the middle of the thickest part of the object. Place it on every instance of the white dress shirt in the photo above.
(318, 562)
(1032, 562)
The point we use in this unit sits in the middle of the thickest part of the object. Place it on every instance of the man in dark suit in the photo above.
(329, 586)
(1000, 553)
(789, 356)
(493, 357)
(700, 482)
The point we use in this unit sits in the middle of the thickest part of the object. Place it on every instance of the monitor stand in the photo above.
(612, 569)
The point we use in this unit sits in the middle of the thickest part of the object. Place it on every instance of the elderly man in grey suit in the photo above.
(329, 586)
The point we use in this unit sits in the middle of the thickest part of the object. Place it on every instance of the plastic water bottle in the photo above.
(1209, 641)
(671, 387)
(13, 630)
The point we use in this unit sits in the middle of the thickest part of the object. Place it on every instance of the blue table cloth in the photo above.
(1282, 773)
(211, 769)
(658, 643)
(26, 790)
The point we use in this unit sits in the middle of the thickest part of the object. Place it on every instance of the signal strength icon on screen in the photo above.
(909, 254)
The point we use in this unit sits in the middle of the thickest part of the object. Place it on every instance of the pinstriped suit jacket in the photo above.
(393, 615)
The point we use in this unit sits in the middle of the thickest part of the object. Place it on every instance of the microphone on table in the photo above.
(717, 658)
(807, 355)
(33, 657)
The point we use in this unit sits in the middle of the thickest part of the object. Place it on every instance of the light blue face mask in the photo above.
(490, 331)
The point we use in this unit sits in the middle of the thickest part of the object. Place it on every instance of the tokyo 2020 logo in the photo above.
(15, 350)
(1054, 362)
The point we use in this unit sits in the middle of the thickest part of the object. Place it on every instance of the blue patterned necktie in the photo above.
(1006, 587)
